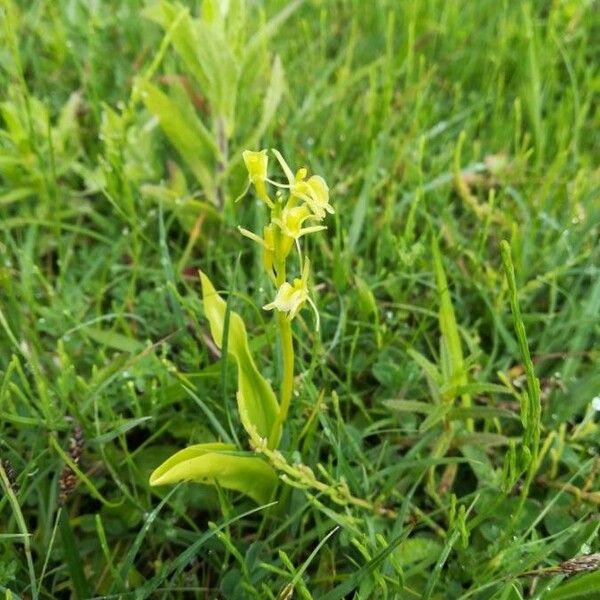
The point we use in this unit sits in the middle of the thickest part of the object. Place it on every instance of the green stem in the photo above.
(287, 379)
(285, 338)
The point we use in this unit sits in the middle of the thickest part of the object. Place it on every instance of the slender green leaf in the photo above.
(72, 557)
(532, 414)
(449, 327)
(177, 564)
(115, 340)
(343, 589)
(584, 587)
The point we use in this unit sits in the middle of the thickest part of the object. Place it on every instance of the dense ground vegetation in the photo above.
(442, 129)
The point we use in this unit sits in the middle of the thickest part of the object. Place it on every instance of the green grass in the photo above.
(445, 406)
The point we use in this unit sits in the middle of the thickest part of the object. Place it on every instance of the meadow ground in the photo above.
(442, 441)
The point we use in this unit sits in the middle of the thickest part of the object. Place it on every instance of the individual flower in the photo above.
(256, 165)
(313, 191)
(291, 297)
(292, 221)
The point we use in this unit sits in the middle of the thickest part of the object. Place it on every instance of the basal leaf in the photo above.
(219, 463)
(257, 404)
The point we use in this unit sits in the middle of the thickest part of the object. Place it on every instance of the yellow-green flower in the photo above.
(256, 165)
(315, 193)
(292, 221)
(290, 298)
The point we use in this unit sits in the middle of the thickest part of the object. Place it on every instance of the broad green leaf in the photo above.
(257, 404)
(219, 463)
(428, 367)
(203, 47)
(185, 131)
(480, 463)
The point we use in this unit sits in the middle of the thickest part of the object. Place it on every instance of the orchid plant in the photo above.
(297, 208)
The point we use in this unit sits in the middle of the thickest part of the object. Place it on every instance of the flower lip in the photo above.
(292, 221)
(291, 297)
(315, 192)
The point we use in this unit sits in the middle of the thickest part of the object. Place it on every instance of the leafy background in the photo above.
(120, 161)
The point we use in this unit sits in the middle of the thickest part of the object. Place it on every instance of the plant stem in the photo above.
(285, 338)
(287, 379)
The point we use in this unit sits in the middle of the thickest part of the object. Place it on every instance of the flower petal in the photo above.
(256, 164)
